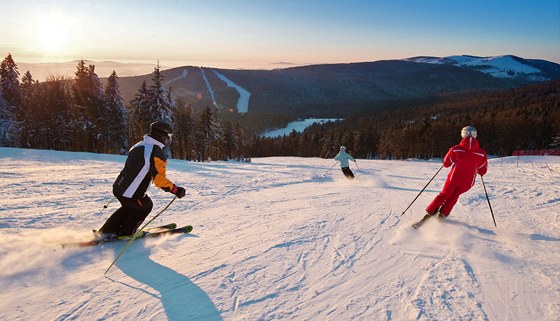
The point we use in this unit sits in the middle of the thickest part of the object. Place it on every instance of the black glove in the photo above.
(179, 191)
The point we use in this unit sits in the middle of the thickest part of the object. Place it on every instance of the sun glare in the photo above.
(53, 33)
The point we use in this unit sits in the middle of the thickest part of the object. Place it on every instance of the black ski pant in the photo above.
(347, 172)
(127, 219)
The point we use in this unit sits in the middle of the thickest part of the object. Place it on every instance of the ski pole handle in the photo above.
(107, 205)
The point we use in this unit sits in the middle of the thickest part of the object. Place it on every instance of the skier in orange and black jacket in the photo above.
(146, 162)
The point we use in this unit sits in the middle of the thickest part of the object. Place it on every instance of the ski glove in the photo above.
(179, 191)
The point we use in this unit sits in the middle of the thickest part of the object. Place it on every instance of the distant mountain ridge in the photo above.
(336, 90)
(339, 90)
(42, 71)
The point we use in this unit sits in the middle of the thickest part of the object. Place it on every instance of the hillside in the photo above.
(281, 238)
(339, 90)
(525, 118)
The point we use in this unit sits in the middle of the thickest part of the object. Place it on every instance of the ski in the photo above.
(181, 230)
(170, 226)
(153, 232)
(161, 228)
(422, 221)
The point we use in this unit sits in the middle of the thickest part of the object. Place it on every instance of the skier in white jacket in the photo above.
(343, 158)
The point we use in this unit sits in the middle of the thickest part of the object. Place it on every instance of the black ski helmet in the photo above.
(159, 128)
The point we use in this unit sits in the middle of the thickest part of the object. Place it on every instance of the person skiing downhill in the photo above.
(343, 158)
(466, 160)
(146, 163)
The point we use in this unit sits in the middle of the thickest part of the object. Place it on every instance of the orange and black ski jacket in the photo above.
(146, 162)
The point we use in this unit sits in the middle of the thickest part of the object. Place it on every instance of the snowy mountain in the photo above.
(281, 239)
(342, 90)
(508, 66)
(330, 90)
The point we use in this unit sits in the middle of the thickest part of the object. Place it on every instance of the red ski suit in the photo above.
(467, 159)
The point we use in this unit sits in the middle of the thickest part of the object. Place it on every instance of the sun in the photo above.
(53, 33)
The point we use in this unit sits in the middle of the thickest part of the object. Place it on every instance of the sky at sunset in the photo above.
(275, 34)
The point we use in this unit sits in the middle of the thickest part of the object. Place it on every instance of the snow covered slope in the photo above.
(281, 238)
(499, 66)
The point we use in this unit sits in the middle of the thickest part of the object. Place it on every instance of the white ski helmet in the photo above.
(342, 148)
(468, 131)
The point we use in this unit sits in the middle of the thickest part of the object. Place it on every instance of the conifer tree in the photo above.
(139, 113)
(183, 138)
(29, 102)
(158, 99)
(328, 148)
(151, 104)
(555, 142)
(208, 135)
(90, 100)
(9, 81)
(60, 125)
(9, 86)
(238, 134)
(231, 141)
(6, 122)
(116, 119)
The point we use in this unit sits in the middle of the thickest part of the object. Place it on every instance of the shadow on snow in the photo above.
(180, 297)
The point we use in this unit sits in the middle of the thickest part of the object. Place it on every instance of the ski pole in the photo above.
(422, 190)
(488, 199)
(106, 205)
(331, 167)
(138, 233)
(358, 167)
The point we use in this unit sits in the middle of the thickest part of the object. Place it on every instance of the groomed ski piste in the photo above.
(281, 238)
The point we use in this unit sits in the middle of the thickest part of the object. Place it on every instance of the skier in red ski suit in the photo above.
(467, 159)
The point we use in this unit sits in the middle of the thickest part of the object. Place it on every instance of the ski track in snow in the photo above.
(281, 238)
(184, 74)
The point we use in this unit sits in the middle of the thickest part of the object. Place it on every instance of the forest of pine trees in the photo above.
(81, 114)
(526, 118)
